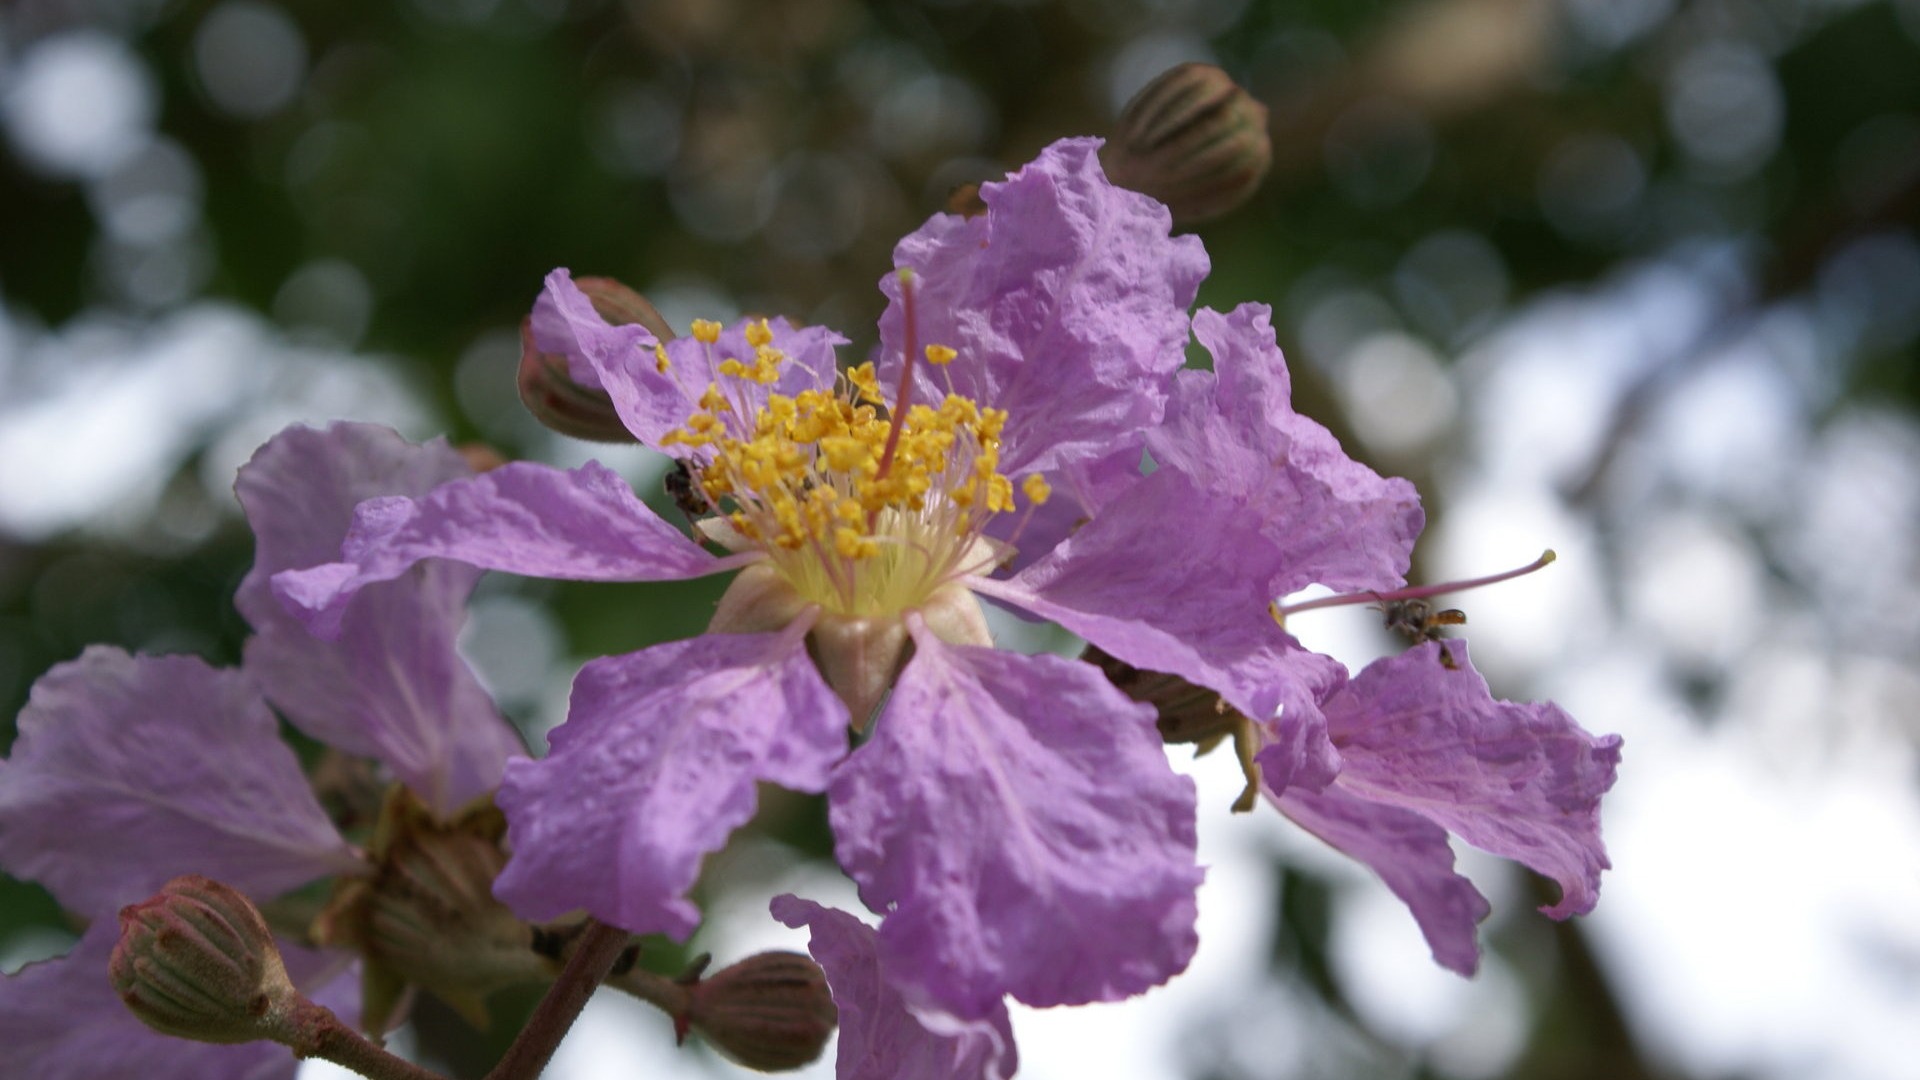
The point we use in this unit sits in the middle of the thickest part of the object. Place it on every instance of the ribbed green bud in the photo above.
(1192, 139)
(197, 961)
(771, 1011)
(427, 916)
(548, 390)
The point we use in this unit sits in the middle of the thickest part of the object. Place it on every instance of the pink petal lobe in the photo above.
(655, 767)
(392, 686)
(1412, 857)
(1522, 780)
(882, 1035)
(583, 524)
(131, 770)
(1066, 301)
(1017, 819)
(651, 402)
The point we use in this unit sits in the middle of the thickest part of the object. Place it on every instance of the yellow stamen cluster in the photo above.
(857, 518)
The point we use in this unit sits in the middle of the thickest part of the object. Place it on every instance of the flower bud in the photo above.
(427, 916)
(549, 390)
(771, 1011)
(1192, 139)
(197, 961)
(1186, 713)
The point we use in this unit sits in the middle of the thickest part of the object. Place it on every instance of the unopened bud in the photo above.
(197, 961)
(965, 200)
(1185, 713)
(1192, 139)
(548, 388)
(771, 1011)
(427, 916)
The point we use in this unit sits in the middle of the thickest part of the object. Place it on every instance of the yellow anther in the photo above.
(713, 401)
(706, 331)
(732, 367)
(850, 544)
(940, 354)
(660, 359)
(866, 382)
(1036, 489)
(991, 422)
(999, 493)
(844, 453)
(759, 333)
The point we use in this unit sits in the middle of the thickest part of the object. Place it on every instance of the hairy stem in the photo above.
(313, 1031)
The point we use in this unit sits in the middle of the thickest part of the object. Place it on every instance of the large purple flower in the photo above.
(132, 770)
(1013, 816)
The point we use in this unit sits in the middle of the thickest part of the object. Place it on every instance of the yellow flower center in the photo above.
(860, 518)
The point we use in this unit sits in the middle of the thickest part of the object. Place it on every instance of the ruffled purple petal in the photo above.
(1017, 819)
(583, 525)
(882, 1037)
(130, 771)
(1519, 780)
(61, 1020)
(1066, 301)
(651, 402)
(564, 323)
(1080, 490)
(1411, 855)
(655, 767)
(392, 687)
(1161, 579)
(1323, 517)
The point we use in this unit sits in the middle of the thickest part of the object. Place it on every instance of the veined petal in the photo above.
(652, 402)
(882, 1037)
(1161, 580)
(655, 767)
(61, 1020)
(130, 771)
(564, 323)
(392, 687)
(1519, 780)
(1323, 517)
(1066, 302)
(1411, 855)
(1017, 819)
(1080, 490)
(585, 524)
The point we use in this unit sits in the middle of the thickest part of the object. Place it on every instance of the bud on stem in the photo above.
(772, 1011)
(1192, 139)
(197, 961)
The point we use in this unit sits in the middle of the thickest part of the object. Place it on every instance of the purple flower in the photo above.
(131, 770)
(1425, 750)
(1013, 816)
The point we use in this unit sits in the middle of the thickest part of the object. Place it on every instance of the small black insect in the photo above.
(1419, 622)
(687, 494)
